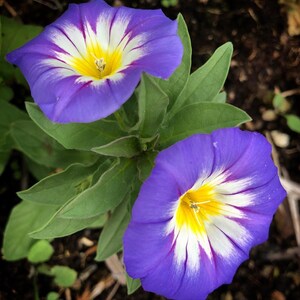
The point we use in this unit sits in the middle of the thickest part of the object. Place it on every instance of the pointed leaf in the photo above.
(132, 284)
(127, 146)
(110, 241)
(175, 84)
(82, 136)
(59, 227)
(105, 195)
(58, 188)
(41, 148)
(153, 104)
(206, 82)
(201, 118)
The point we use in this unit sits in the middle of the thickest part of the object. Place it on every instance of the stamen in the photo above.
(100, 64)
(194, 206)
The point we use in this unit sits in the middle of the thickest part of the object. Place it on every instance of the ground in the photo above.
(266, 58)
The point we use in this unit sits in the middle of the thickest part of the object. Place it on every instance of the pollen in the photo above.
(97, 62)
(196, 207)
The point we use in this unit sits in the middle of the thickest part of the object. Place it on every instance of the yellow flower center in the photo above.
(97, 63)
(196, 207)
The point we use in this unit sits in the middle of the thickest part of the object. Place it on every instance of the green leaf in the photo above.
(58, 188)
(153, 104)
(8, 115)
(110, 240)
(52, 296)
(145, 165)
(55, 192)
(220, 98)
(206, 82)
(132, 284)
(175, 84)
(293, 122)
(127, 146)
(25, 217)
(44, 150)
(280, 103)
(6, 93)
(37, 170)
(4, 156)
(82, 136)
(201, 118)
(59, 227)
(14, 35)
(105, 195)
(40, 252)
(64, 276)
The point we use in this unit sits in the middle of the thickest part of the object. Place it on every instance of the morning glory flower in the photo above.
(208, 200)
(87, 63)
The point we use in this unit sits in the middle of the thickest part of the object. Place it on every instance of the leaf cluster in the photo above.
(90, 174)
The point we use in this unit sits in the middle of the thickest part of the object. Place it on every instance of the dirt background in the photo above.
(266, 59)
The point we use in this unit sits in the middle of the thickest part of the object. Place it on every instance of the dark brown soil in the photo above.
(265, 57)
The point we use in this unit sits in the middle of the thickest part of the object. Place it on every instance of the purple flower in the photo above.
(208, 200)
(87, 63)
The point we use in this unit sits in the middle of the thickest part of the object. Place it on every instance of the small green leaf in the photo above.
(52, 296)
(25, 217)
(153, 104)
(175, 84)
(132, 284)
(105, 195)
(82, 136)
(110, 240)
(206, 82)
(40, 252)
(293, 122)
(41, 148)
(127, 146)
(280, 103)
(201, 118)
(64, 276)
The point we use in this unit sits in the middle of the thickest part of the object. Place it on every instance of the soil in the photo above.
(265, 58)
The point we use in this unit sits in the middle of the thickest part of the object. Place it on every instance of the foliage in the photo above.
(92, 172)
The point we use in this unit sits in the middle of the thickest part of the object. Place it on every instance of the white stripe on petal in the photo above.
(64, 42)
(118, 31)
(103, 31)
(219, 241)
(234, 186)
(239, 200)
(233, 230)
